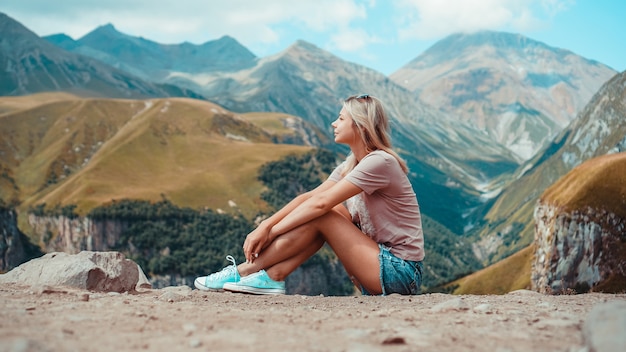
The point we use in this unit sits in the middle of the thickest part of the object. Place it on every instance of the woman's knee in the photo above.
(343, 211)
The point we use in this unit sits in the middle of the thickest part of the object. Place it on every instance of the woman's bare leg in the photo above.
(282, 258)
(357, 252)
(285, 254)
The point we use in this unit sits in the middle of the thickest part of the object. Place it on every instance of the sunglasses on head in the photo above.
(362, 96)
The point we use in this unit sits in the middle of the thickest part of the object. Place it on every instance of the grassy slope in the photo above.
(599, 183)
(10, 104)
(509, 274)
(193, 152)
(269, 121)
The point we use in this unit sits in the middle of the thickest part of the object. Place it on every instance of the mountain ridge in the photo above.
(434, 144)
(519, 91)
(457, 169)
(587, 137)
(35, 65)
(154, 61)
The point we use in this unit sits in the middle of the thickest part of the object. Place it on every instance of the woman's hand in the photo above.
(255, 242)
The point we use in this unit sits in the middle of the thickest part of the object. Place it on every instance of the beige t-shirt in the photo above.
(387, 209)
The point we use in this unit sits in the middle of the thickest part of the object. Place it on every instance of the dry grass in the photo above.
(509, 274)
(193, 152)
(11, 104)
(599, 183)
(271, 122)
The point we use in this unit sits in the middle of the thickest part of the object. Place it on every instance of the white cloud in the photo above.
(188, 20)
(350, 40)
(428, 19)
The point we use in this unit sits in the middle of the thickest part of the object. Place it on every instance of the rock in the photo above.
(485, 308)
(94, 271)
(604, 327)
(175, 293)
(524, 293)
(455, 304)
(577, 251)
(143, 282)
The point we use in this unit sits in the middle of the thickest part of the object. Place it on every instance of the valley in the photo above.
(84, 123)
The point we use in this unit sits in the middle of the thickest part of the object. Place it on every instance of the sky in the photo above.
(382, 35)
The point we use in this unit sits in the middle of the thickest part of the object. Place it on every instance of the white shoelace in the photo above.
(229, 269)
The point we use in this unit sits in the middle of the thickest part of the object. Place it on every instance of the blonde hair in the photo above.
(370, 118)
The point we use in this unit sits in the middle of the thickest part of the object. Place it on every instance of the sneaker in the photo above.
(258, 283)
(216, 281)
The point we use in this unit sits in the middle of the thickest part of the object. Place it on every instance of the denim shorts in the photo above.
(398, 275)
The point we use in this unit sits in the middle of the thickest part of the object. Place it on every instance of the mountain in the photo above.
(60, 152)
(158, 62)
(89, 151)
(456, 168)
(47, 170)
(450, 161)
(599, 129)
(521, 92)
(34, 65)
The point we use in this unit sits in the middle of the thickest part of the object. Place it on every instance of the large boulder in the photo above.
(93, 271)
(580, 230)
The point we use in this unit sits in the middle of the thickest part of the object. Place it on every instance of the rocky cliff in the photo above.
(72, 235)
(15, 248)
(580, 250)
(580, 230)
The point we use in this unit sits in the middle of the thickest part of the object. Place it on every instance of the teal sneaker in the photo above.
(216, 281)
(258, 283)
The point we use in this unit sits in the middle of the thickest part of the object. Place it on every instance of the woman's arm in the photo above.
(259, 237)
(317, 205)
(301, 211)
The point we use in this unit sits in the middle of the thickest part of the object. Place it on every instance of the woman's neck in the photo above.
(359, 151)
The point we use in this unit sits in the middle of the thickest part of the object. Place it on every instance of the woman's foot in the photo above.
(216, 281)
(258, 283)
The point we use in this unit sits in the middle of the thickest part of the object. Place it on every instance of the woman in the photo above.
(366, 211)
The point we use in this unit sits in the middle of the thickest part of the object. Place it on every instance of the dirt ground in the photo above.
(179, 318)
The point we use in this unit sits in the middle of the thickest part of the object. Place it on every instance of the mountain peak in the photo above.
(498, 39)
(302, 45)
(109, 27)
(456, 45)
(17, 39)
(62, 40)
(302, 48)
(107, 31)
(14, 30)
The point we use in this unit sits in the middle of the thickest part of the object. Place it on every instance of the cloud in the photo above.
(351, 40)
(188, 20)
(426, 19)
